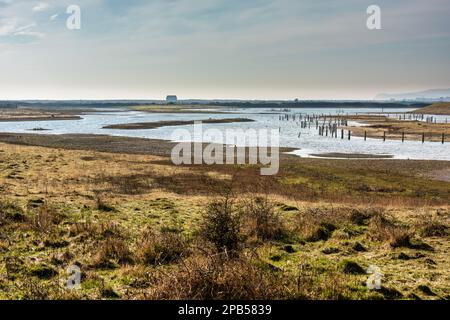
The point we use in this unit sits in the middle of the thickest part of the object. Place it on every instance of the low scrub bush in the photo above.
(263, 221)
(221, 225)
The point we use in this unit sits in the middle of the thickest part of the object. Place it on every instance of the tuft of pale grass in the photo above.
(161, 247)
(45, 219)
(112, 252)
(433, 228)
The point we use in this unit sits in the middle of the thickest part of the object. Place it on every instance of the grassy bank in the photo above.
(394, 129)
(437, 108)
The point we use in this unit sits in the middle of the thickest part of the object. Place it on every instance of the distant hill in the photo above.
(437, 108)
(433, 94)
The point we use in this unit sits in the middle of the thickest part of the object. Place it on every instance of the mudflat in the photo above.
(159, 124)
(101, 143)
(352, 156)
(37, 114)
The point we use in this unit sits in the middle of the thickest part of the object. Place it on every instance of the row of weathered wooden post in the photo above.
(328, 125)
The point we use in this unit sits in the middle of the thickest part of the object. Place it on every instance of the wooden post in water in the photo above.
(342, 133)
(365, 135)
(349, 134)
(443, 138)
(384, 136)
(423, 137)
(403, 137)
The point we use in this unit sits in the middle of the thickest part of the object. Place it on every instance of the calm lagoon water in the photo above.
(307, 144)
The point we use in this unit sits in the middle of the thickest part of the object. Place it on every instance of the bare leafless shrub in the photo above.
(221, 225)
(262, 220)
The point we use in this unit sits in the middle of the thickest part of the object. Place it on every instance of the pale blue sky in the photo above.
(252, 49)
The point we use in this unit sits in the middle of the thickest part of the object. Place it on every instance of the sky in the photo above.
(222, 49)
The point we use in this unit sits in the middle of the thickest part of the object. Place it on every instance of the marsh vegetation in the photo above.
(141, 228)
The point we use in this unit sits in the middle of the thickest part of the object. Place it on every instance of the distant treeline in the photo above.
(69, 104)
(8, 105)
(236, 104)
(321, 104)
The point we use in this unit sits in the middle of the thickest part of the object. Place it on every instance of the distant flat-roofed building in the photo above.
(171, 99)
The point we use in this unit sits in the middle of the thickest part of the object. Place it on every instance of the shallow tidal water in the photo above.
(306, 142)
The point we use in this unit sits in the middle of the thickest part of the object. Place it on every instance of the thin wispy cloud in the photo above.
(29, 33)
(24, 28)
(7, 26)
(42, 6)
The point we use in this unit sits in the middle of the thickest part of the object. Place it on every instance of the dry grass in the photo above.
(206, 278)
(10, 213)
(433, 228)
(161, 247)
(413, 130)
(332, 203)
(45, 218)
(220, 277)
(437, 108)
(112, 252)
(315, 224)
(398, 236)
(203, 278)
